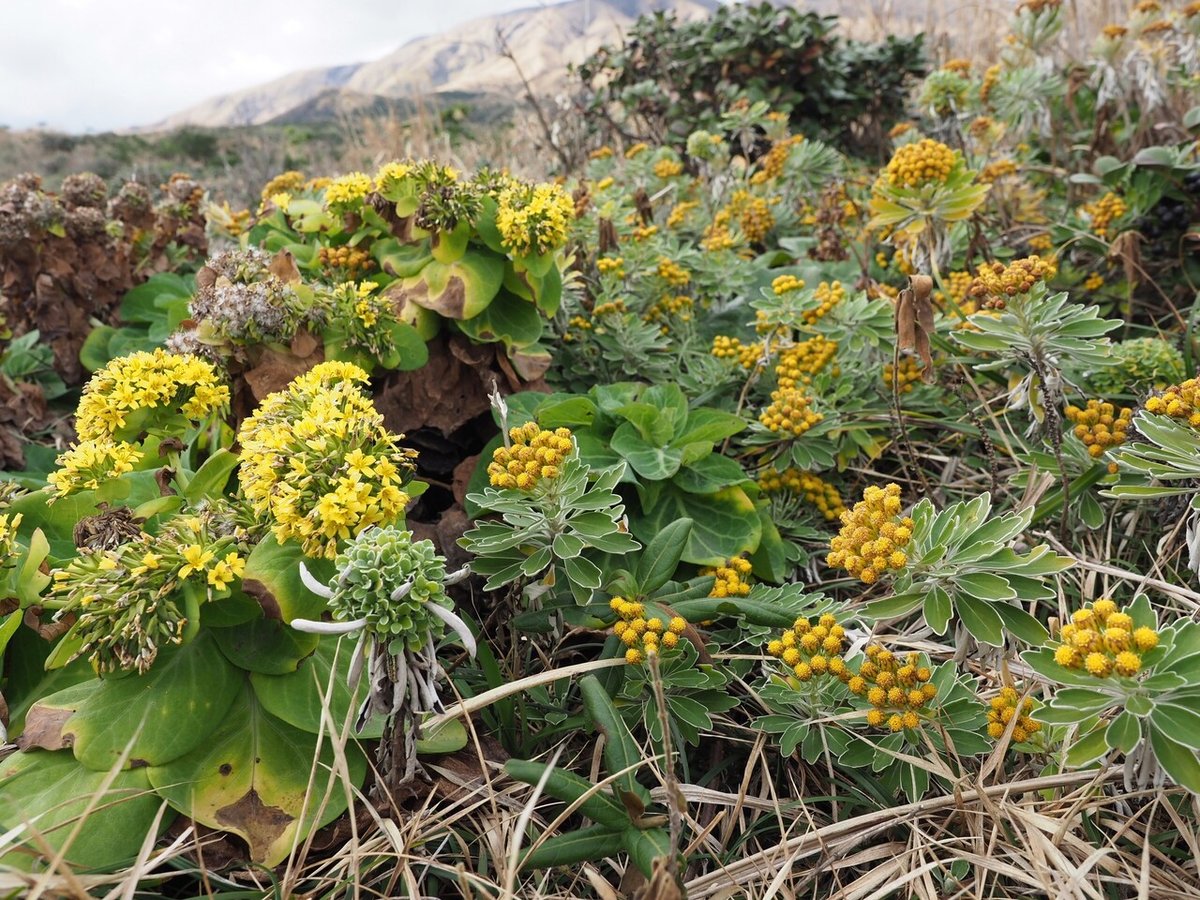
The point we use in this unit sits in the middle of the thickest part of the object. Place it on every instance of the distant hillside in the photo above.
(465, 59)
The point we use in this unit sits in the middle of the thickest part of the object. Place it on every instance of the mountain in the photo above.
(462, 60)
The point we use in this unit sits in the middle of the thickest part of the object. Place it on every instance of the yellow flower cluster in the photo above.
(673, 273)
(812, 651)
(8, 535)
(291, 182)
(318, 463)
(535, 455)
(644, 232)
(1112, 32)
(872, 535)
(959, 64)
(668, 168)
(754, 216)
(89, 464)
(919, 163)
(748, 356)
(786, 284)
(605, 152)
(611, 265)
(828, 295)
(677, 306)
(897, 692)
(997, 170)
(906, 378)
(790, 411)
(1006, 707)
(391, 173)
(990, 77)
(813, 489)
(731, 578)
(1102, 640)
(122, 398)
(353, 261)
(1101, 213)
(996, 281)
(613, 307)
(1093, 282)
(717, 235)
(605, 183)
(958, 284)
(534, 220)
(1099, 425)
(771, 165)
(347, 190)
(679, 212)
(1179, 401)
(636, 150)
(800, 362)
(644, 636)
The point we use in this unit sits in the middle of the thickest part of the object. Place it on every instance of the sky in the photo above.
(97, 65)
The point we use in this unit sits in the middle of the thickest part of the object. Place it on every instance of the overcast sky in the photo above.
(80, 65)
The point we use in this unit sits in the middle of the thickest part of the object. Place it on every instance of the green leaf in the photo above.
(272, 577)
(1180, 722)
(265, 645)
(646, 846)
(938, 609)
(725, 525)
(569, 787)
(661, 557)
(296, 697)
(650, 461)
(1179, 761)
(1087, 748)
(712, 425)
(52, 790)
(985, 586)
(251, 778)
(507, 318)
(458, 290)
(1123, 732)
(591, 843)
(620, 751)
(980, 619)
(1021, 624)
(708, 474)
(158, 716)
(449, 737)
(209, 480)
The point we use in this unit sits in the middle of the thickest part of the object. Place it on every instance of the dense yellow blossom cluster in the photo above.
(772, 164)
(748, 356)
(812, 651)
(534, 220)
(290, 182)
(923, 162)
(828, 294)
(125, 397)
(753, 214)
(637, 150)
(1102, 640)
(1093, 282)
(800, 362)
(644, 636)
(872, 535)
(347, 190)
(990, 77)
(790, 412)
(680, 211)
(897, 691)
(390, 174)
(997, 281)
(718, 235)
(644, 232)
(1103, 212)
(672, 273)
(786, 284)
(318, 464)
(1100, 425)
(904, 380)
(535, 455)
(732, 578)
(352, 261)
(610, 308)
(1179, 401)
(670, 306)
(89, 464)
(812, 488)
(668, 168)
(1008, 706)
(995, 171)
(613, 266)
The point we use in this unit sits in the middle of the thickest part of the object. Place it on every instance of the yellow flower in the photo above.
(197, 560)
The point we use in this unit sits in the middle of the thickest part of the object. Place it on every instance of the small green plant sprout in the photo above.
(391, 590)
(960, 562)
(1128, 684)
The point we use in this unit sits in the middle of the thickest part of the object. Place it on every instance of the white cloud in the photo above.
(81, 65)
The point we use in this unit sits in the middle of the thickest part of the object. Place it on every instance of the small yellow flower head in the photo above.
(347, 191)
(922, 162)
(871, 535)
(1127, 663)
(857, 685)
(730, 579)
(1103, 212)
(876, 717)
(895, 722)
(90, 464)
(790, 413)
(1145, 638)
(1068, 656)
(1098, 664)
(534, 457)
(633, 656)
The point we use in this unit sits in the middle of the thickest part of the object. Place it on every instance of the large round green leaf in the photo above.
(265, 645)
(52, 790)
(458, 290)
(158, 716)
(272, 577)
(726, 523)
(509, 319)
(251, 778)
(296, 698)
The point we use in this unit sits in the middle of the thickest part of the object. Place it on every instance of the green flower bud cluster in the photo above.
(375, 568)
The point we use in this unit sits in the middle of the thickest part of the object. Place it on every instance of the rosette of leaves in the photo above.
(1152, 717)
(927, 207)
(961, 565)
(1044, 334)
(552, 526)
(671, 460)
